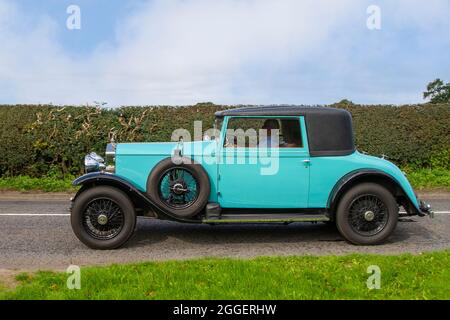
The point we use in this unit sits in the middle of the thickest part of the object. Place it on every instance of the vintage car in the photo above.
(272, 164)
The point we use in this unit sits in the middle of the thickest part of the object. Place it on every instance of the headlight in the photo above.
(93, 162)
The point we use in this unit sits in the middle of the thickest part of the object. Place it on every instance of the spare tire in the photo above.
(182, 187)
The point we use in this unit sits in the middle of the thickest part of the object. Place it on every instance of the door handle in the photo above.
(307, 162)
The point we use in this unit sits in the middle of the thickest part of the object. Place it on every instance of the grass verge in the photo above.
(424, 276)
(429, 178)
(46, 184)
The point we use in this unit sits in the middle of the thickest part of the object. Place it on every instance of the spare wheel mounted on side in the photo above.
(182, 186)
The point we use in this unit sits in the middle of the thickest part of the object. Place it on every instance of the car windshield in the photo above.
(217, 128)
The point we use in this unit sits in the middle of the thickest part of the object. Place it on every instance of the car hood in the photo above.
(166, 148)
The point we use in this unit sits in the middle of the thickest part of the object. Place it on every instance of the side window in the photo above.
(263, 133)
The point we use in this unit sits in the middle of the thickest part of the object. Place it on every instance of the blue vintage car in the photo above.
(273, 164)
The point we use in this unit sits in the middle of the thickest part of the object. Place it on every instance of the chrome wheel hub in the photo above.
(369, 215)
(102, 219)
(178, 188)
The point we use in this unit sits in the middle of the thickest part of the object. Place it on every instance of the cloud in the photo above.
(182, 52)
(170, 52)
(31, 62)
(178, 52)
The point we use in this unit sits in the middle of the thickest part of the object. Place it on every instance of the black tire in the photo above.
(195, 170)
(360, 204)
(121, 212)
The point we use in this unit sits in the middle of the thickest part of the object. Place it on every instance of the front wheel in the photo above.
(103, 217)
(367, 214)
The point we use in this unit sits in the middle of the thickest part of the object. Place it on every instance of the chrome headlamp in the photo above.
(93, 163)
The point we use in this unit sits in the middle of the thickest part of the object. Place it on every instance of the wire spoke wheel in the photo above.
(103, 219)
(178, 188)
(368, 215)
(182, 188)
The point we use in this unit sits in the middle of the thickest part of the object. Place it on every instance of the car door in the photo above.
(255, 177)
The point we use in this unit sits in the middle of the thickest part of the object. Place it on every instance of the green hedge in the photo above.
(49, 140)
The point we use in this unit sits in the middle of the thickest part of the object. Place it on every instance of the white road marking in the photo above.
(403, 212)
(36, 214)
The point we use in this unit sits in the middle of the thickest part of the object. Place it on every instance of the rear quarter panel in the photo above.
(327, 171)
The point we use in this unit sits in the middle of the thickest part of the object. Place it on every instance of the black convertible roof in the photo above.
(277, 110)
(330, 131)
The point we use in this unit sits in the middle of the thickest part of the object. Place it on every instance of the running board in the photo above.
(266, 218)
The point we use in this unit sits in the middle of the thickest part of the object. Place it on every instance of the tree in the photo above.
(346, 102)
(438, 92)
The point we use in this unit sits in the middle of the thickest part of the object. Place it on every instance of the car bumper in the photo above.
(425, 209)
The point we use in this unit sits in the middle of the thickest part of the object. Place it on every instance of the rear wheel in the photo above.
(367, 214)
(103, 217)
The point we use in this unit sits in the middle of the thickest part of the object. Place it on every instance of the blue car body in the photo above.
(297, 184)
(314, 174)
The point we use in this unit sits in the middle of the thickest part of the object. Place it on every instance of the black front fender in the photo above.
(103, 178)
(138, 197)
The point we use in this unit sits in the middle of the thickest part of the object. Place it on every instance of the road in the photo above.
(36, 234)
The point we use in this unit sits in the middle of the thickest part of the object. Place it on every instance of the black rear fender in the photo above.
(375, 176)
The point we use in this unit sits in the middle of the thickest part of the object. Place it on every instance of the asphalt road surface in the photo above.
(36, 234)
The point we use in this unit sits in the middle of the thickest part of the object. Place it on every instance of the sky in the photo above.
(179, 52)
